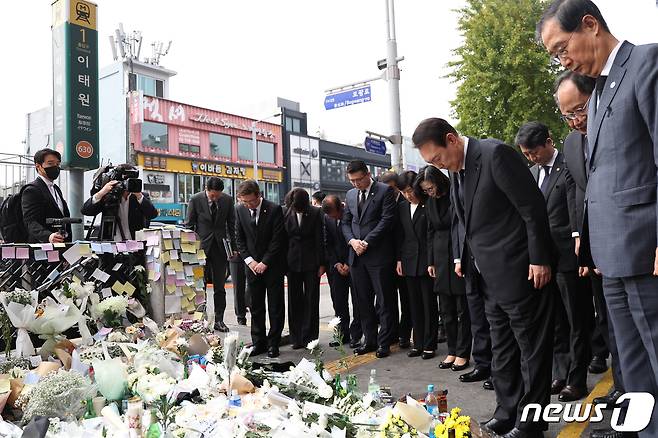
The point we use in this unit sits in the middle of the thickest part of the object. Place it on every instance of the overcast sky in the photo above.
(237, 56)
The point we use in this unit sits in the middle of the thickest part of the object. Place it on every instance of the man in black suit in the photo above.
(368, 225)
(507, 238)
(574, 311)
(338, 273)
(133, 211)
(42, 199)
(261, 240)
(211, 214)
(572, 95)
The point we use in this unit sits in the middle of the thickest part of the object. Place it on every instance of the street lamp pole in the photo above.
(254, 143)
(393, 78)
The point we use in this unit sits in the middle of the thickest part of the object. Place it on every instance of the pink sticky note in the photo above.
(53, 256)
(23, 253)
(47, 247)
(8, 252)
(199, 299)
(121, 247)
(180, 282)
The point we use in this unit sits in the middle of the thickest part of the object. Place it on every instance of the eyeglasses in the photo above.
(556, 58)
(578, 112)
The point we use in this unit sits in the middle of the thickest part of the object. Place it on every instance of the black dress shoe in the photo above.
(572, 393)
(221, 327)
(355, 344)
(446, 365)
(414, 353)
(609, 400)
(557, 385)
(334, 344)
(461, 367)
(610, 433)
(477, 375)
(383, 352)
(428, 355)
(598, 365)
(497, 426)
(365, 349)
(404, 343)
(242, 321)
(518, 433)
(273, 352)
(488, 384)
(260, 349)
(297, 346)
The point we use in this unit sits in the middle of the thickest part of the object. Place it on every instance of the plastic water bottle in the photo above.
(432, 406)
(373, 386)
(234, 401)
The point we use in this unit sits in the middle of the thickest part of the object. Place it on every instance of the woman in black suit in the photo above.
(306, 264)
(412, 255)
(450, 288)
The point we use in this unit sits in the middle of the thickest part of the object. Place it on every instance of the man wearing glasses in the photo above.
(620, 225)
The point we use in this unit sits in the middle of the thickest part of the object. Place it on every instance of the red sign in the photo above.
(84, 149)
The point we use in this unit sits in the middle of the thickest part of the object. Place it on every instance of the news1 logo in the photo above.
(638, 412)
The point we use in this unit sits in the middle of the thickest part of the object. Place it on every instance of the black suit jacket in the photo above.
(305, 243)
(560, 201)
(412, 248)
(574, 148)
(375, 225)
(38, 205)
(265, 242)
(442, 237)
(504, 218)
(200, 220)
(139, 214)
(336, 249)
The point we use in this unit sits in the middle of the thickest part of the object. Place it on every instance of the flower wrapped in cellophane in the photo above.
(20, 306)
(53, 319)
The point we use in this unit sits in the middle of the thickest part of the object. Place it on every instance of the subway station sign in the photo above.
(75, 83)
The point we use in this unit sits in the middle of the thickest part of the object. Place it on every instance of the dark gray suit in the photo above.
(372, 272)
(212, 232)
(574, 311)
(621, 210)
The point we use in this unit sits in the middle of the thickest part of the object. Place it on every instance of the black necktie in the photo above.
(600, 83)
(544, 183)
(460, 188)
(254, 216)
(362, 201)
(213, 211)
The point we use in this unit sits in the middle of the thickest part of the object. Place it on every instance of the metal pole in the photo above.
(76, 186)
(393, 77)
(254, 145)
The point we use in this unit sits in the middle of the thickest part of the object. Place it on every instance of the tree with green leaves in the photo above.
(505, 79)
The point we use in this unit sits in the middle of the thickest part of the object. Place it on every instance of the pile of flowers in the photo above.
(110, 311)
(395, 427)
(461, 424)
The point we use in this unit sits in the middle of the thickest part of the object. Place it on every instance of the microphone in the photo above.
(58, 221)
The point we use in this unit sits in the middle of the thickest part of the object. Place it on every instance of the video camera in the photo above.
(128, 182)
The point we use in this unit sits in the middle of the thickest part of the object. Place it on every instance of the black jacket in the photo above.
(200, 220)
(560, 201)
(139, 214)
(305, 243)
(504, 218)
(38, 205)
(440, 236)
(574, 149)
(265, 242)
(412, 240)
(336, 249)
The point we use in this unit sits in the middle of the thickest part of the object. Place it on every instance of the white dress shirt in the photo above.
(260, 204)
(463, 168)
(412, 209)
(53, 193)
(609, 63)
(542, 171)
(299, 219)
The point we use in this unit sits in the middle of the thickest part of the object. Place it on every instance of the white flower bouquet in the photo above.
(51, 321)
(110, 377)
(110, 311)
(20, 307)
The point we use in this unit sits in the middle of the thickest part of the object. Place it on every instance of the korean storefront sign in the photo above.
(208, 168)
(75, 83)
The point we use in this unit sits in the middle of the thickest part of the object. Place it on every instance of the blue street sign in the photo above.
(347, 98)
(375, 146)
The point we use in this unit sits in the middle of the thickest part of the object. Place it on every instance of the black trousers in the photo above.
(457, 322)
(605, 329)
(303, 306)
(573, 314)
(424, 311)
(404, 327)
(341, 290)
(522, 345)
(216, 264)
(267, 286)
(480, 330)
(239, 278)
(372, 282)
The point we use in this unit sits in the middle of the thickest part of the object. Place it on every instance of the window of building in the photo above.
(333, 170)
(245, 149)
(188, 185)
(220, 145)
(293, 124)
(266, 152)
(154, 135)
(272, 192)
(189, 148)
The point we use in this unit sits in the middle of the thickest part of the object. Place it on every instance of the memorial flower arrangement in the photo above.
(110, 311)
(396, 427)
(459, 423)
(20, 297)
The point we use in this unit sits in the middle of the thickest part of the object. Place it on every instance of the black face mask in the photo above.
(52, 172)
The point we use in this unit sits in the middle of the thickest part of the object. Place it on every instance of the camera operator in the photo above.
(129, 211)
(42, 199)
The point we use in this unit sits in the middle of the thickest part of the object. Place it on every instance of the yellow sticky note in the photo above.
(185, 237)
(198, 315)
(84, 249)
(171, 288)
(6, 387)
(197, 244)
(164, 257)
(178, 322)
(118, 287)
(176, 265)
(198, 272)
(168, 244)
(151, 275)
(201, 254)
(188, 248)
(129, 288)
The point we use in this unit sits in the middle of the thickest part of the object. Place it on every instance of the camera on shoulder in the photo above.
(125, 174)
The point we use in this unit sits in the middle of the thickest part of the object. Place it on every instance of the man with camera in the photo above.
(125, 209)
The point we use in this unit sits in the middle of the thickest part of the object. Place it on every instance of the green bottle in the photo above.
(89, 412)
(154, 430)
